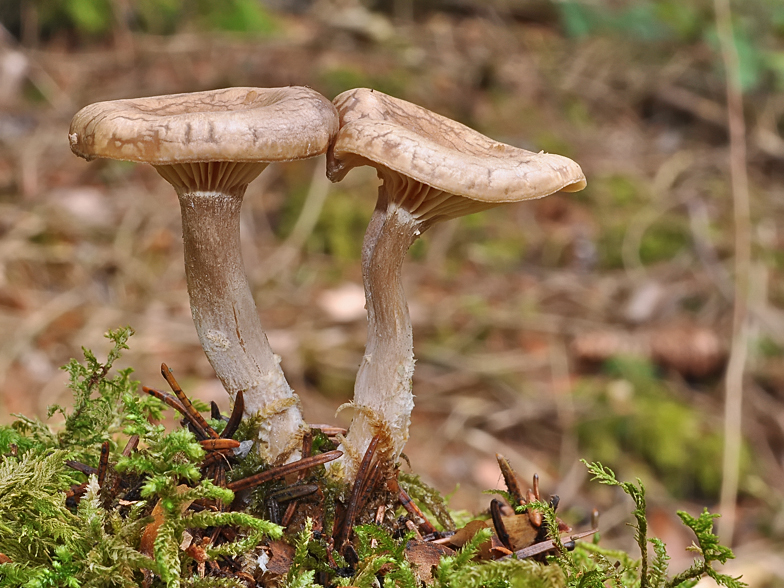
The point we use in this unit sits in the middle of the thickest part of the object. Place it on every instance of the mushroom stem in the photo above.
(226, 319)
(383, 396)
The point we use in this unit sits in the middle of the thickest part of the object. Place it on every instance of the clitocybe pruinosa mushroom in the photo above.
(431, 169)
(209, 146)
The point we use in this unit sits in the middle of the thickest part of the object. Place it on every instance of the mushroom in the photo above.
(209, 146)
(431, 169)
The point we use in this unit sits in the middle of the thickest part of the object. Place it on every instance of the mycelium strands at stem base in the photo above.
(222, 306)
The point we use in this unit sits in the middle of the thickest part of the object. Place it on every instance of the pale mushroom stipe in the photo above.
(209, 146)
(431, 169)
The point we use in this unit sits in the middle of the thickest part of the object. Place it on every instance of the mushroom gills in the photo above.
(210, 176)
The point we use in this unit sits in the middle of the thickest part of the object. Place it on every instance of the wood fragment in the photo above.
(284, 470)
(498, 524)
(510, 479)
(236, 416)
(219, 444)
(307, 447)
(194, 416)
(103, 464)
(220, 456)
(411, 526)
(412, 508)
(81, 467)
(130, 447)
(549, 545)
(344, 530)
(329, 430)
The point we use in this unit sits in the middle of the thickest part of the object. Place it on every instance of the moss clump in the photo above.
(150, 518)
(58, 529)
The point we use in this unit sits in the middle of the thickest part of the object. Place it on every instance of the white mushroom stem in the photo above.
(383, 396)
(222, 305)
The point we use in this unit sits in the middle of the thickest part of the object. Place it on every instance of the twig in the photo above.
(130, 447)
(510, 479)
(307, 447)
(283, 471)
(166, 398)
(103, 464)
(498, 524)
(191, 414)
(236, 416)
(411, 507)
(550, 545)
(344, 531)
(733, 398)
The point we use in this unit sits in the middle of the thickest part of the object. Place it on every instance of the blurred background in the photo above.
(595, 325)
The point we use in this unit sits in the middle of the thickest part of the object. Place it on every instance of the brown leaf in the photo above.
(423, 555)
(464, 535)
(281, 556)
(521, 531)
(147, 543)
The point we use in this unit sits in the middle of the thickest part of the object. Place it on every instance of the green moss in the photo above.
(95, 545)
(636, 416)
(664, 239)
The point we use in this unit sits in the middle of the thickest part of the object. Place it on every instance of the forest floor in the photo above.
(593, 325)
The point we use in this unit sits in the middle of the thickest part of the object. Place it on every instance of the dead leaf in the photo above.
(423, 555)
(281, 556)
(147, 543)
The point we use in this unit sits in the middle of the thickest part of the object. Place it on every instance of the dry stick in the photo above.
(215, 413)
(733, 397)
(351, 509)
(498, 524)
(172, 401)
(284, 470)
(294, 492)
(410, 506)
(510, 479)
(214, 457)
(330, 430)
(87, 470)
(103, 464)
(307, 447)
(366, 491)
(166, 398)
(236, 416)
(548, 545)
(193, 415)
(130, 447)
(218, 444)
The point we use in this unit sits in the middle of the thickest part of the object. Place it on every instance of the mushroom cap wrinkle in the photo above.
(232, 124)
(386, 132)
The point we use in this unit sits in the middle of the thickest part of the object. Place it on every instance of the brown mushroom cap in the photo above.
(382, 131)
(233, 124)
